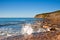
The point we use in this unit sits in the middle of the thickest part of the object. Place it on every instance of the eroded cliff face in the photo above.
(54, 17)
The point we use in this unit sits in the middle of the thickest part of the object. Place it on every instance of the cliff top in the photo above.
(49, 12)
(45, 14)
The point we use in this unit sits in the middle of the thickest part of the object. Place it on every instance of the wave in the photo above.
(11, 23)
(10, 28)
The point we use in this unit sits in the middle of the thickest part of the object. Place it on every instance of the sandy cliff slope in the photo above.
(54, 17)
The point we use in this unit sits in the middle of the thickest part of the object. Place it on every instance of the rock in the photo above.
(38, 36)
(45, 26)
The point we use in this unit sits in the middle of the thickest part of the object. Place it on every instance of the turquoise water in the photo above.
(14, 25)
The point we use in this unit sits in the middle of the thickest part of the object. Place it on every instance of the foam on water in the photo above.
(27, 29)
(18, 26)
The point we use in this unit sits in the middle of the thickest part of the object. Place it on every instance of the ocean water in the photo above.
(13, 26)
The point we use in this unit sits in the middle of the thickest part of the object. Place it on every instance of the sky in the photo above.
(27, 8)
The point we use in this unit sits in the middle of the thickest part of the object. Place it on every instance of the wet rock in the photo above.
(38, 36)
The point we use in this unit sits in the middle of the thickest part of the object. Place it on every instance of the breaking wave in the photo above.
(25, 27)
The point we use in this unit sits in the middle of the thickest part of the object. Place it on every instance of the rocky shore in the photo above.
(52, 35)
(51, 21)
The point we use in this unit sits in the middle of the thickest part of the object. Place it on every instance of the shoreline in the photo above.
(37, 36)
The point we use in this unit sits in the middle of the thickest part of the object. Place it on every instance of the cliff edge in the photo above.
(54, 17)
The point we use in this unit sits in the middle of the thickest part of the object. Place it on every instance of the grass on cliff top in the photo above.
(47, 14)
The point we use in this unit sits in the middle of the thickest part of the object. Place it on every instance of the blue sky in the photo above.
(27, 8)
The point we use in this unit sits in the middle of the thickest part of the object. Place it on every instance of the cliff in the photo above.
(54, 17)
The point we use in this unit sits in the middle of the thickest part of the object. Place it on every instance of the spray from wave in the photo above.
(27, 29)
(16, 28)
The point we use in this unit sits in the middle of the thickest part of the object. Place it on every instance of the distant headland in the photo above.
(54, 17)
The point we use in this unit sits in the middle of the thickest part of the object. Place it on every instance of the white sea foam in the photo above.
(27, 29)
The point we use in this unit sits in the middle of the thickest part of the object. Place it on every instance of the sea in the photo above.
(13, 26)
